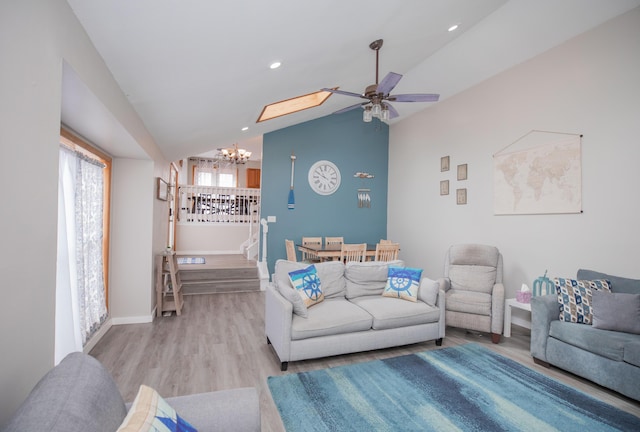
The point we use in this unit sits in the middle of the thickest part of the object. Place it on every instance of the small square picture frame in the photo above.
(462, 172)
(162, 189)
(461, 196)
(444, 163)
(444, 187)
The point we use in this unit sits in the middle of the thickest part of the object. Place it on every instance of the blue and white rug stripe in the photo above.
(464, 388)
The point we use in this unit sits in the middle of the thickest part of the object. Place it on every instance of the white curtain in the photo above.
(80, 297)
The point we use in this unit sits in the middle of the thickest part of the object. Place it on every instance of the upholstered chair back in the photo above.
(473, 267)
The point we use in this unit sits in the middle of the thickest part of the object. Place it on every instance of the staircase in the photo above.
(220, 274)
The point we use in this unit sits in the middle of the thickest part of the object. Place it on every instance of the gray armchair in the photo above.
(474, 291)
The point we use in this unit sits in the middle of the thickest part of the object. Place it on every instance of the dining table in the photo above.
(333, 251)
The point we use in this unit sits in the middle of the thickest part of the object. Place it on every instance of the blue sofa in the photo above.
(606, 357)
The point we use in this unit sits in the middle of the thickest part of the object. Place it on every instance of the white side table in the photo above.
(508, 319)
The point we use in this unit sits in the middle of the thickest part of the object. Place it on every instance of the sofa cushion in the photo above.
(478, 303)
(78, 395)
(428, 291)
(308, 285)
(149, 412)
(331, 317)
(575, 298)
(632, 352)
(618, 284)
(402, 283)
(367, 278)
(616, 311)
(390, 313)
(477, 278)
(331, 273)
(606, 343)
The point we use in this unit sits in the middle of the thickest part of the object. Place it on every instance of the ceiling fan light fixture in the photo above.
(376, 110)
(384, 115)
(367, 116)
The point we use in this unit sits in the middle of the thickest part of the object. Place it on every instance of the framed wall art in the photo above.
(462, 172)
(444, 163)
(444, 187)
(163, 189)
(461, 196)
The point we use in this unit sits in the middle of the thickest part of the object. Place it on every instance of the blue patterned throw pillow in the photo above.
(403, 283)
(307, 284)
(575, 298)
(149, 412)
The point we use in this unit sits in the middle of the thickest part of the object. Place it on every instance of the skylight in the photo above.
(295, 104)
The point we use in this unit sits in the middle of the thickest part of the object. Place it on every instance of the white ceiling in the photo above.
(197, 71)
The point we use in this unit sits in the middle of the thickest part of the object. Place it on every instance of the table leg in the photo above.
(507, 319)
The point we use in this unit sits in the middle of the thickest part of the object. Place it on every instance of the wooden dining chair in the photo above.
(353, 252)
(385, 241)
(387, 251)
(311, 241)
(291, 250)
(333, 241)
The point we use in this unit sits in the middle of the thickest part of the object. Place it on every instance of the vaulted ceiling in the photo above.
(197, 71)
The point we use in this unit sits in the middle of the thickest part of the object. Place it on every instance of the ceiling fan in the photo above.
(377, 95)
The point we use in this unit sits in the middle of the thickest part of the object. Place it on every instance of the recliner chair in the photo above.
(474, 290)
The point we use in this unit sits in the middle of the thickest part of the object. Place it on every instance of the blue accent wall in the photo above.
(351, 144)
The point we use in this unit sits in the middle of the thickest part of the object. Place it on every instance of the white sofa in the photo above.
(353, 317)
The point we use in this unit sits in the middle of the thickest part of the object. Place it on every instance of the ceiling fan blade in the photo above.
(417, 97)
(392, 111)
(349, 108)
(388, 83)
(346, 93)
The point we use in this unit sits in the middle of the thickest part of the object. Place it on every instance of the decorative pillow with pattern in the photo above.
(403, 283)
(149, 412)
(307, 284)
(575, 298)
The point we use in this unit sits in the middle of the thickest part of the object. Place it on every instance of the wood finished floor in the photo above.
(219, 343)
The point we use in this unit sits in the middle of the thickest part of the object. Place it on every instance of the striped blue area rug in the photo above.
(463, 388)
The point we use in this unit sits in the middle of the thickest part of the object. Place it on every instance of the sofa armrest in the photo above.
(278, 315)
(440, 303)
(497, 309)
(544, 309)
(445, 284)
(224, 410)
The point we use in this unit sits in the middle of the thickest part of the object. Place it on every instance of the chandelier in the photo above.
(235, 155)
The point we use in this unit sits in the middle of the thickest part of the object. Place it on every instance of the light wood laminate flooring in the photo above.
(219, 343)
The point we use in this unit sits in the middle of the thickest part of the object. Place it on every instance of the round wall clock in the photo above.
(324, 177)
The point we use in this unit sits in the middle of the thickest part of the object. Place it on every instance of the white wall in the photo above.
(35, 37)
(212, 239)
(589, 86)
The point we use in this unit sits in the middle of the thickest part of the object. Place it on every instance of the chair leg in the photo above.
(284, 366)
(495, 338)
(439, 342)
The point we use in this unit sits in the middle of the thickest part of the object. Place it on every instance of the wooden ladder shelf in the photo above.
(168, 285)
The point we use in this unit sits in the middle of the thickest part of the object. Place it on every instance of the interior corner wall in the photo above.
(588, 85)
(131, 294)
(354, 146)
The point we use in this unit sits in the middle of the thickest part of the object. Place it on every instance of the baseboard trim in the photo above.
(91, 343)
(132, 320)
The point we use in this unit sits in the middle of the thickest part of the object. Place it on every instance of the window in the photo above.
(209, 172)
(83, 243)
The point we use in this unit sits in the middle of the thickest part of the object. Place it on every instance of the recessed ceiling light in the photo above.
(453, 27)
(275, 65)
(245, 128)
